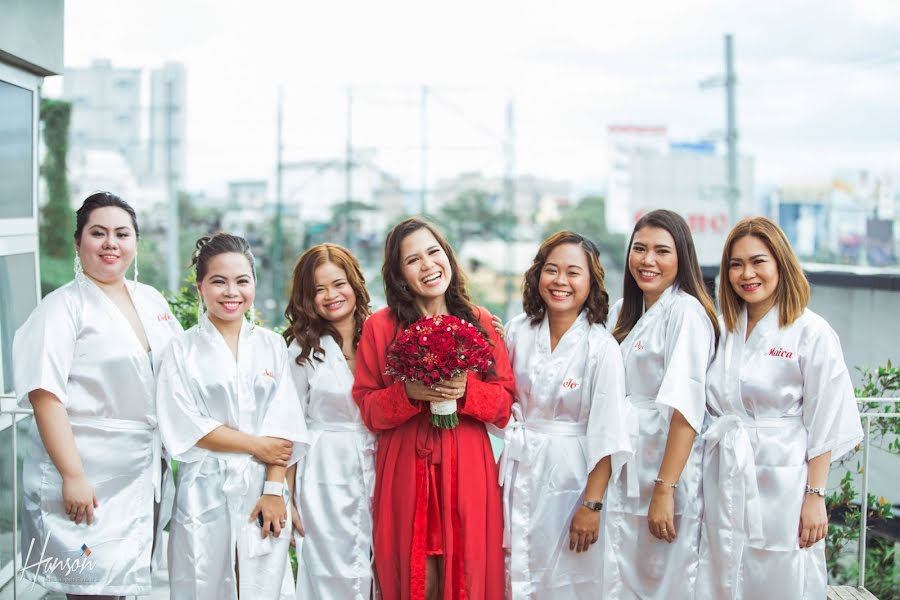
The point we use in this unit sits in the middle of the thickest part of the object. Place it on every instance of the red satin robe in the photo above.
(468, 496)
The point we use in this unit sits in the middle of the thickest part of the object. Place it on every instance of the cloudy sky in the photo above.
(819, 81)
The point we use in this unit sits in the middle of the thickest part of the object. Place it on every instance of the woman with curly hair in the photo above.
(437, 516)
(782, 408)
(334, 481)
(666, 327)
(569, 423)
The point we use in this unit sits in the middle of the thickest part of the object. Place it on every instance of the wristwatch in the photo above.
(820, 491)
(594, 506)
(273, 488)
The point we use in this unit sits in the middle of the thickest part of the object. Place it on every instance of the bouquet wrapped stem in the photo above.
(435, 349)
(443, 414)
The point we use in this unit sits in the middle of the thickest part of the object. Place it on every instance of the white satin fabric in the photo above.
(569, 413)
(79, 346)
(776, 400)
(200, 388)
(334, 483)
(666, 356)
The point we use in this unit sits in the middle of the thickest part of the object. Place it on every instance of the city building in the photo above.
(648, 171)
(25, 59)
(108, 114)
(106, 110)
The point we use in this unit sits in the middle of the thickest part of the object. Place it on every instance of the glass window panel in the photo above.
(16, 152)
(6, 511)
(18, 297)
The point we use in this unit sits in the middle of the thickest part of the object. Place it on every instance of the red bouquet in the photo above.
(435, 349)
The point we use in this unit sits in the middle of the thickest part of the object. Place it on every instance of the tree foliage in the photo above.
(474, 214)
(57, 221)
(588, 217)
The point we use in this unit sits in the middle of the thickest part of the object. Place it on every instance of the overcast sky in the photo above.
(819, 81)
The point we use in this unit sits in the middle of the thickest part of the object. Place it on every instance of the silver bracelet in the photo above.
(273, 488)
(818, 491)
(660, 480)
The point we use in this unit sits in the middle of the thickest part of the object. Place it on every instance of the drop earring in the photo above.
(79, 270)
(135, 267)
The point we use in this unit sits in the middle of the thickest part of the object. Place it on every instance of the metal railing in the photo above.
(864, 496)
(865, 415)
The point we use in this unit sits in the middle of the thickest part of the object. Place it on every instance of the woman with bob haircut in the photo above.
(666, 326)
(335, 479)
(438, 523)
(228, 413)
(782, 407)
(85, 361)
(569, 421)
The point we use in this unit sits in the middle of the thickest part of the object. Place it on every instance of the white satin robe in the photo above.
(79, 346)
(569, 413)
(776, 400)
(666, 356)
(201, 387)
(335, 481)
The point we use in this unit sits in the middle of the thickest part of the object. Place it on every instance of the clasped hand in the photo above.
(450, 389)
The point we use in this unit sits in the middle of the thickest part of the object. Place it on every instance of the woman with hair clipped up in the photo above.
(783, 408)
(666, 326)
(569, 421)
(85, 361)
(335, 480)
(437, 515)
(228, 412)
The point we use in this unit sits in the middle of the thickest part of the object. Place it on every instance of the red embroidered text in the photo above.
(781, 352)
(570, 384)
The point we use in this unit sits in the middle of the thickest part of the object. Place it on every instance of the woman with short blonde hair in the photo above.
(782, 408)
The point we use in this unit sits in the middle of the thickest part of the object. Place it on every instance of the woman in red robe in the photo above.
(438, 523)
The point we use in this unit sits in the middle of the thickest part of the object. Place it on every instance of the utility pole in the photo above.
(423, 153)
(731, 131)
(348, 169)
(173, 267)
(277, 250)
(729, 81)
(509, 193)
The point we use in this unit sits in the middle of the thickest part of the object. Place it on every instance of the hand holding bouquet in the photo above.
(435, 349)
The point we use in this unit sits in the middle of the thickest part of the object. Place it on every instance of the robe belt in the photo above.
(132, 425)
(634, 404)
(737, 468)
(330, 426)
(238, 472)
(514, 453)
(364, 451)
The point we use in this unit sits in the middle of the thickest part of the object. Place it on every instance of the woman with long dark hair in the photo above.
(782, 408)
(335, 479)
(85, 361)
(437, 513)
(228, 413)
(666, 326)
(570, 421)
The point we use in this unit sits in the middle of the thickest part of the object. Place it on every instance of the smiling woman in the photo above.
(85, 361)
(436, 510)
(229, 412)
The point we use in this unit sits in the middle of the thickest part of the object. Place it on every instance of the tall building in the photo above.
(106, 110)
(168, 125)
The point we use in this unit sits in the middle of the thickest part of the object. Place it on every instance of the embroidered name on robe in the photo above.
(570, 384)
(781, 353)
